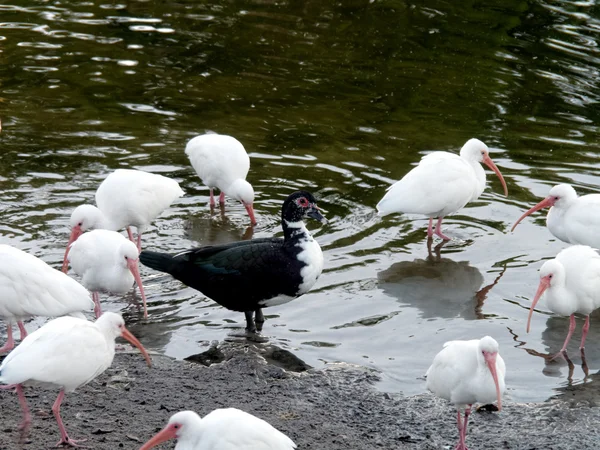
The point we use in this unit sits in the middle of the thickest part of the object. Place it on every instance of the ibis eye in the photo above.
(80, 224)
(126, 258)
(176, 426)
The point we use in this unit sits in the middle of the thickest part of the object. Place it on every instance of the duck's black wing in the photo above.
(237, 275)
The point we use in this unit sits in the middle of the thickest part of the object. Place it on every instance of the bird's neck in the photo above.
(294, 232)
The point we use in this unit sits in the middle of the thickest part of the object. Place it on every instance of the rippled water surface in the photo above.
(341, 98)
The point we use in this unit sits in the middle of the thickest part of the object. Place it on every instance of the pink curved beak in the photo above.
(250, 211)
(135, 271)
(75, 233)
(164, 435)
(488, 162)
(490, 359)
(126, 334)
(544, 284)
(547, 202)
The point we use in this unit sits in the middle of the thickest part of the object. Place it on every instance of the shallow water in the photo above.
(340, 100)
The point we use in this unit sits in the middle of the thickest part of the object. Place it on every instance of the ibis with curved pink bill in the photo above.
(572, 219)
(106, 261)
(125, 198)
(468, 372)
(571, 285)
(67, 353)
(221, 162)
(222, 429)
(441, 184)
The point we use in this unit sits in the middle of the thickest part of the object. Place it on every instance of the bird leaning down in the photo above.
(571, 284)
(106, 261)
(221, 162)
(467, 372)
(571, 219)
(30, 287)
(441, 184)
(66, 352)
(222, 429)
(125, 198)
(250, 275)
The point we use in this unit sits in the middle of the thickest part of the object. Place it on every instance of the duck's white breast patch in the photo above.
(312, 256)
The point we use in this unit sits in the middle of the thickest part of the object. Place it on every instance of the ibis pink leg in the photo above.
(465, 423)
(584, 332)
(438, 230)
(22, 329)
(97, 307)
(212, 198)
(24, 427)
(461, 442)
(222, 198)
(139, 241)
(569, 334)
(64, 437)
(10, 343)
(430, 228)
(130, 234)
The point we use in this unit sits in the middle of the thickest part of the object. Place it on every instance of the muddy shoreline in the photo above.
(332, 409)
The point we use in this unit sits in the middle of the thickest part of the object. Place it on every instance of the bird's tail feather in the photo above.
(163, 262)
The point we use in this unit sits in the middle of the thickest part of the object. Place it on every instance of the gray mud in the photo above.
(334, 408)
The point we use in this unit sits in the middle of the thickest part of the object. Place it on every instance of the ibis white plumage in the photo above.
(125, 198)
(571, 219)
(30, 287)
(221, 162)
(67, 353)
(441, 184)
(468, 372)
(571, 285)
(106, 261)
(222, 429)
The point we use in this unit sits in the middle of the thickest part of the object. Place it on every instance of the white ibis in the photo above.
(106, 261)
(67, 353)
(125, 198)
(30, 287)
(571, 283)
(467, 372)
(571, 219)
(222, 429)
(441, 184)
(222, 162)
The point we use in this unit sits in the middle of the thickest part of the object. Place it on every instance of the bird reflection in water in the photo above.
(552, 338)
(439, 287)
(208, 231)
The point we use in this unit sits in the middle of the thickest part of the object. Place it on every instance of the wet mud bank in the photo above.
(330, 409)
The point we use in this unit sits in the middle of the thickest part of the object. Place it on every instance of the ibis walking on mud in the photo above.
(67, 353)
(467, 372)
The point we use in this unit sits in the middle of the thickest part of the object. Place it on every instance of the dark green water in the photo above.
(341, 98)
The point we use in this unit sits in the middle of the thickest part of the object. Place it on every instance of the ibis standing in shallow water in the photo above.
(106, 261)
(66, 352)
(125, 198)
(571, 283)
(30, 287)
(441, 184)
(467, 372)
(222, 429)
(250, 275)
(571, 219)
(221, 162)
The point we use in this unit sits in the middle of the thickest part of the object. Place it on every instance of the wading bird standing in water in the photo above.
(441, 184)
